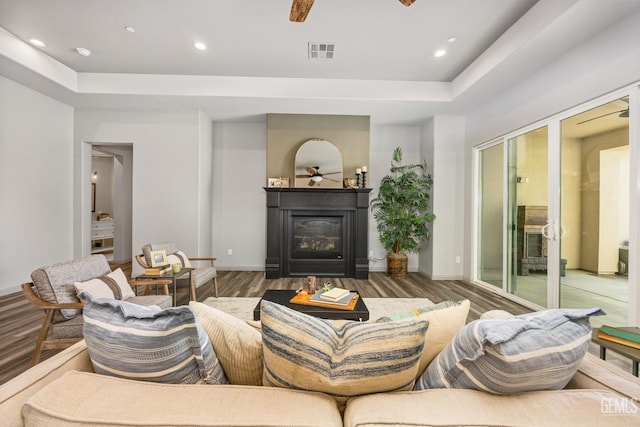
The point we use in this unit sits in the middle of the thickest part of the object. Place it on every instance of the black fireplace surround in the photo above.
(317, 232)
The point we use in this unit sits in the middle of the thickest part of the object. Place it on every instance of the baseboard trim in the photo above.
(240, 268)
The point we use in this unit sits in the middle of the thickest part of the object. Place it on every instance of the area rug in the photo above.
(242, 308)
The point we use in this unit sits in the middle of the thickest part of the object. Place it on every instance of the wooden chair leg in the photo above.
(35, 359)
(215, 286)
(192, 291)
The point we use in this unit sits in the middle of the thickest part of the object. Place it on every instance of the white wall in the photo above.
(443, 145)
(239, 201)
(205, 167)
(36, 182)
(166, 179)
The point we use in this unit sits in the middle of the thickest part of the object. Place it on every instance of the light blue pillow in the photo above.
(148, 344)
(533, 351)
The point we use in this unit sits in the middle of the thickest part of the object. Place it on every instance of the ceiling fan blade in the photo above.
(330, 179)
(311, 183)
(299, 10)
(407, 2)
(311, 170)
(330, 173)
(601, 116)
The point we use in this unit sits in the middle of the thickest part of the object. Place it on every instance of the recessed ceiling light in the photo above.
(37, 42)
(440, 53)
(82, 51)
(451, 39)
(200, 46)
(130, 29)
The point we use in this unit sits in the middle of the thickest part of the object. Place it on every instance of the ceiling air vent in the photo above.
(321, 50)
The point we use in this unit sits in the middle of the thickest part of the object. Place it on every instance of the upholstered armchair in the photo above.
(53, 290)
(200, 275)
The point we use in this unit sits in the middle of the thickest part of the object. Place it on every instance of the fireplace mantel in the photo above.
(347, 207)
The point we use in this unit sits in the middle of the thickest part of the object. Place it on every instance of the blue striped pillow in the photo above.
(533, 351)
(149, 344)
(338, 357)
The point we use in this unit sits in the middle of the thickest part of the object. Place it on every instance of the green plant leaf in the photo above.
(401, 208)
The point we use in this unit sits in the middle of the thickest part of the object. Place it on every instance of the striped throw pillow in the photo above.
(445, 320)
(533, 351)
(338, 357)
(237, 344)
(179, 257)
(113, 285)
(149, 344)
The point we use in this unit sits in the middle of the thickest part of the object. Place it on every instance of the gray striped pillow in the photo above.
(113, 285)
(338, 357)
(533, 351)
(149, 344)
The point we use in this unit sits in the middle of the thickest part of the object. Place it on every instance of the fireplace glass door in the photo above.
(316, 237)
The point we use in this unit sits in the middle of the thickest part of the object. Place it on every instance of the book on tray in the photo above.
(334, 294)
(335, 298)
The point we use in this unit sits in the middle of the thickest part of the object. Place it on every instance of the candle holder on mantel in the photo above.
(364, 179)
(357, 180)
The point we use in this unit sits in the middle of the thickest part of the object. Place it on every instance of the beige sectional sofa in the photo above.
(64, 390)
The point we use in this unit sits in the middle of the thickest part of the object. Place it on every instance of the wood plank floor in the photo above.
(21, 321)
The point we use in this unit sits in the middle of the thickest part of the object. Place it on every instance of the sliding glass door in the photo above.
(554, 205)
(528, 215)
(490, 218)
(595, 210)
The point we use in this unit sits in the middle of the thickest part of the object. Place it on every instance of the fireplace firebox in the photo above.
(319, 232)
(316, 237)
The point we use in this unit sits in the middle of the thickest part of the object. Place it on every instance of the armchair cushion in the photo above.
(202, 275)
(54, 283)
(148, 344)
(113, 285)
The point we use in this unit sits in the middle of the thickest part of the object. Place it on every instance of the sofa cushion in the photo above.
(445, 320)
(237, 345)
(149, 344)
(448, 407)
(119, 402)
(113, 285)
(533, 351)
(54, 283)
(338, 357)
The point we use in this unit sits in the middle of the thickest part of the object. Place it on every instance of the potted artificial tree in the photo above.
(401, 210)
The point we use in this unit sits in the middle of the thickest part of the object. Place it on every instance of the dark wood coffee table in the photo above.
(282, 296)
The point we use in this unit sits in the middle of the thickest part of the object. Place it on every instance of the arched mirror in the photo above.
(318, 165)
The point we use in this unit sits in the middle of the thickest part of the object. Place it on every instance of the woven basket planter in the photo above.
(397, 265)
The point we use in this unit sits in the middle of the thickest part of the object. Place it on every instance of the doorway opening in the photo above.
(111, 201)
